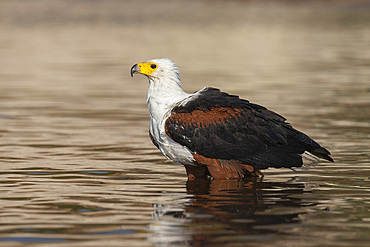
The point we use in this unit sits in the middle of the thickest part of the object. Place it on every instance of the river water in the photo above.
(77, 167)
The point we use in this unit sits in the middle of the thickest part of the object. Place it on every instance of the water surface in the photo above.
(77, 167)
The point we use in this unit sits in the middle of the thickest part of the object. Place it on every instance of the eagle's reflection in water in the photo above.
(230, 212)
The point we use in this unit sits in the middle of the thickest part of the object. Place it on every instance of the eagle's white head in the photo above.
(158, 70)
(165, 89)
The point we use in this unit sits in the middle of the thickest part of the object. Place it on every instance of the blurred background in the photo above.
(76, 163)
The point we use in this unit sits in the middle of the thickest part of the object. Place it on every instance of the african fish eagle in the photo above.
(216, 134)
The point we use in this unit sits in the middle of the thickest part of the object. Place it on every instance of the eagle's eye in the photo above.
(153, 66)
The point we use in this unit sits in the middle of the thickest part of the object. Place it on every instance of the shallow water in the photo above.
(77, 167)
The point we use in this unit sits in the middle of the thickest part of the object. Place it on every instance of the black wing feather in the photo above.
(255, 135)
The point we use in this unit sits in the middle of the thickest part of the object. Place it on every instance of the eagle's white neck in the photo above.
(163, 94)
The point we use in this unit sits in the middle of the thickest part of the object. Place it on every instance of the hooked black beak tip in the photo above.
(134, 69)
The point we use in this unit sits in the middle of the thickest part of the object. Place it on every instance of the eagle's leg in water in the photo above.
(196, 171)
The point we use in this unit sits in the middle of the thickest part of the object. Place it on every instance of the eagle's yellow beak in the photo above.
(143, 68)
